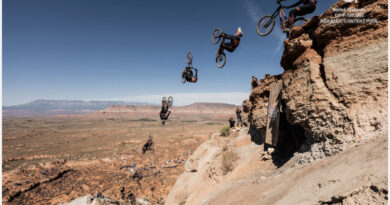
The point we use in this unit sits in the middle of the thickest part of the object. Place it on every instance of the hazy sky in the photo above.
(133, 50)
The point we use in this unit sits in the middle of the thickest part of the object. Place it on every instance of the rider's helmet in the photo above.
(239, 32)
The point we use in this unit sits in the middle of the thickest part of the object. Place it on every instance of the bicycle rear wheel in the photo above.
(265, 25)
(170, 101)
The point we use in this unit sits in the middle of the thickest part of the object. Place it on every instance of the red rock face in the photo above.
(335, 80)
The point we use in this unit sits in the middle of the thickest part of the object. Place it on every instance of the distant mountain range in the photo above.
(54, 107)
(60, 107)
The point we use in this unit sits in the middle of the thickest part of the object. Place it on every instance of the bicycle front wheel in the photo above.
(265, 25)
(215, 38)
(189, 58)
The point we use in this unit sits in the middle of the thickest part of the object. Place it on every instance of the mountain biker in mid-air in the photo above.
(233, 44)
(308, 7)
(164, 113)
(188, 74)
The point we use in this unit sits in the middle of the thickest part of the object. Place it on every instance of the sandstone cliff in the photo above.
(334, 89)
(331, 145)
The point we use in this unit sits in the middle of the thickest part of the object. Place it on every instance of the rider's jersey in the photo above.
(187, 74)
(164, 109)
(235, 41)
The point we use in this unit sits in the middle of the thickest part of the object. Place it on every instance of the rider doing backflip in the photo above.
(233, 44)
(164, 113)
(308, 7)
(188, 74)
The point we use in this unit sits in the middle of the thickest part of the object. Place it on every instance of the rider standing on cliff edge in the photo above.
(308, 7)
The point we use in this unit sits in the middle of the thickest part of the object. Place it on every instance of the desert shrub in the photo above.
(225, 131)
(228, 159)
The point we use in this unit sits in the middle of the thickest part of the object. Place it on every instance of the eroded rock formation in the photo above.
(335, 82)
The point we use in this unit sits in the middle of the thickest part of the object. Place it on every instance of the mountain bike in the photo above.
(216, 37)
(267, 23)
(190, 73)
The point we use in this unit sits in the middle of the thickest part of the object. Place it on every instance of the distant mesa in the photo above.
(65, 107)
(59, 107)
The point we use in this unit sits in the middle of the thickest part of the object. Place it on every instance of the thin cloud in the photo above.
(255, 13)
(189, 98)
(252, 9)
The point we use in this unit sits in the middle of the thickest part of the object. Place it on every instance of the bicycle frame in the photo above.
(281, 13)
(223, 36)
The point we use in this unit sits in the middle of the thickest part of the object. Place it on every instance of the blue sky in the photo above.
(133, 50)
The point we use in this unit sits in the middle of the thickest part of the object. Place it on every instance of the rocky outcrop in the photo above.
(332, 106)
(334, 84)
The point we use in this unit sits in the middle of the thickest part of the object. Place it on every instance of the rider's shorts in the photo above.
(303, 10)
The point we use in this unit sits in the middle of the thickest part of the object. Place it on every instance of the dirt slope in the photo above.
(356, 175)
